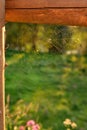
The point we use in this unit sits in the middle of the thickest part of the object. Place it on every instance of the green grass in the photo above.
(56, 85)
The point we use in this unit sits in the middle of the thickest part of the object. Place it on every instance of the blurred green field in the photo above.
(56, 85)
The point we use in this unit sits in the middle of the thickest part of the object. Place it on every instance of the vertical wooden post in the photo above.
(2, 105)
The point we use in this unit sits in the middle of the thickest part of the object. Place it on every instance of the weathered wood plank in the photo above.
(45, 3)
(72, 16)
(2, 106)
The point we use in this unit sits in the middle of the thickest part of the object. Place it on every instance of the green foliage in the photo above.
(79, 39)
(19, 116)
(61, 36)
(28, 37)
(53, 87)
(45, 38)
(70, 125)
(36, 37)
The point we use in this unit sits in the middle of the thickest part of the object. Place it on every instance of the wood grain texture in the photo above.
(2, 12)
(72, 16)
(45, 3)
(2, 106)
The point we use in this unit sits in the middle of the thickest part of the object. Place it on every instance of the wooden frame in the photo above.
(2, 106)
(53, 16)
(27, 4)
(64, 12)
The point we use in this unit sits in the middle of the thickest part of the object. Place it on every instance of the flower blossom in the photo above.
(67, 122)
(36, 127)
(30, 123)
(21, 128)
(73, 125)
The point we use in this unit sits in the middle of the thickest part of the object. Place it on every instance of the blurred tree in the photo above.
(44, 38)
(28, 37)
(61, 36)
(79, 39)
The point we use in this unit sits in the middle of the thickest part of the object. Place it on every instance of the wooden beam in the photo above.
(67, 16)
(45, 3)
(2, 106)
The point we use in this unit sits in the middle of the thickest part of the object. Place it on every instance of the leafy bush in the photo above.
(17, 117)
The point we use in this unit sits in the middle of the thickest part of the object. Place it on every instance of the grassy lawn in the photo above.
(55, 85)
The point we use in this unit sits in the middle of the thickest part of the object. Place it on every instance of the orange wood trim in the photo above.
(72, 16)
(45, 3)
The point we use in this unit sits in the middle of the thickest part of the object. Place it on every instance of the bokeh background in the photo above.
(46, 75)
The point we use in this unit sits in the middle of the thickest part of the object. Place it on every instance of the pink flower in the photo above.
(21, 128)
(36, 127)
(30, 123)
